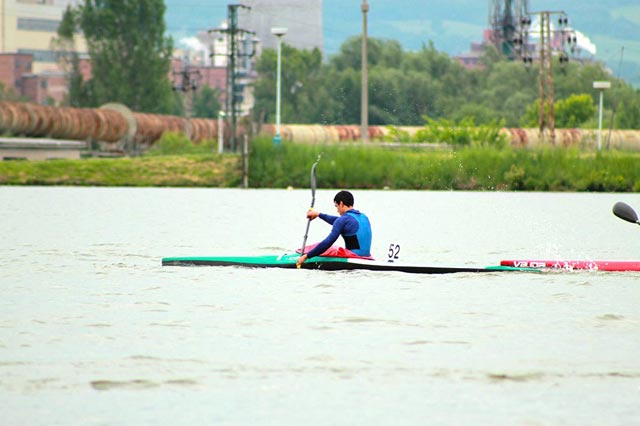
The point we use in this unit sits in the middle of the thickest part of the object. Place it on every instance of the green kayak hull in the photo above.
(288, 261)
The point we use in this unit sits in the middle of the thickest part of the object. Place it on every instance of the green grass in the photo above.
(466, 168)
(347, 165)
(190, 170)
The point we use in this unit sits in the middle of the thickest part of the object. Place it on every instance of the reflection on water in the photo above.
(94, 331)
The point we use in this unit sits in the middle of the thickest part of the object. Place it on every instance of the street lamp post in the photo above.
(601, 86)
(364, 100)
(278, 32)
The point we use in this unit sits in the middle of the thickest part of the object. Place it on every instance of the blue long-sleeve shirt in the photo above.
(354, 227)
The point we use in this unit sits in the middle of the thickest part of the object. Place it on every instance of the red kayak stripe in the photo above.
(335, 251)
(598, 265)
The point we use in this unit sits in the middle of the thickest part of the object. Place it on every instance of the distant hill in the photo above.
(451, 25)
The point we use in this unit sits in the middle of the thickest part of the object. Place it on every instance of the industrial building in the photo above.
(28, 62)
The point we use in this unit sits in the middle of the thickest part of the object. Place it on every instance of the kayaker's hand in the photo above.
(312, 214)
(301, 260)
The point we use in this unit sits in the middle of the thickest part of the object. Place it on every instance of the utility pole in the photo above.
(186, 81)
(546, 118)
(551, 41)
(233, 53)
(364, 101)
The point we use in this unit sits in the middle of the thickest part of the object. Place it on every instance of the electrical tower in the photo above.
(511, 28)
(235, 50)
(553, 41)
(187, 82)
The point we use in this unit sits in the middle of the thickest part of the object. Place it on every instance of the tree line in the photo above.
(411, 87)
(130, 56)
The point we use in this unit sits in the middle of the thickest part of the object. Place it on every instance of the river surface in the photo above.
(94, 331)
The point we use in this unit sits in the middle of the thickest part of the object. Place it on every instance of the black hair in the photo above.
(345, 197)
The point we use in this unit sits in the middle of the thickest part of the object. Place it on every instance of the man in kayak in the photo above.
(352, 224)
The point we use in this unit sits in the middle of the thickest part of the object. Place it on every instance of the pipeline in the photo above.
(114, 122)
(61, 123)
(584, 138)
(110, 123)
(518, 137)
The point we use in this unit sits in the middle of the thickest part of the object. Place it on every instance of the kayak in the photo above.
(621, 210)
(592, 265)
(288, 261)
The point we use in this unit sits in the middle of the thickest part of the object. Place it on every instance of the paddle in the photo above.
(313, 201)
(625, 212)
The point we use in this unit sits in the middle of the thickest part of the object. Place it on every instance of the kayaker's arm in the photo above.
(328, 218)
(312, 214)
(323, 245)
(301, 260)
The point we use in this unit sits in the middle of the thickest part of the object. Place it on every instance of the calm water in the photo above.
(93, 331)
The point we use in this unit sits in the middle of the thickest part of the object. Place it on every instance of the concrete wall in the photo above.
(39, 149)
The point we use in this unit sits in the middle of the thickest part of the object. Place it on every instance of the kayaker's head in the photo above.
(343, 202)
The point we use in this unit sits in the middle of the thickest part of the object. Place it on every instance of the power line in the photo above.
(187, 81)
(550, 40)
(233, 52)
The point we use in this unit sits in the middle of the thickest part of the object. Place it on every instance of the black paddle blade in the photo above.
(625, 212)
(313, 177)
(313, 180)
(313, 201)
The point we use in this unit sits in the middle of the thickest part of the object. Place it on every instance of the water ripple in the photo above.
(103, 385)
(610, 317)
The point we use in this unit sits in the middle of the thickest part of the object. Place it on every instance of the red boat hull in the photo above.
(592, 265)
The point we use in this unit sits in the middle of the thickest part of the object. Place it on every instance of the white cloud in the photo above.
(192, 43)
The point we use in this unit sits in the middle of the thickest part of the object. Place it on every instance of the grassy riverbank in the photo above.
(466, 168)
(348, 166)
(189, 170)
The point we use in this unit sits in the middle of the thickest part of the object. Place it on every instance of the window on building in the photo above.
(37, 24)
(41, 55)
(35, 1)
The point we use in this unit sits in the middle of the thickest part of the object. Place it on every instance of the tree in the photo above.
(506, 88)
(64, 45)
(405, 86)
(9, 94)
(628, 114)
(568, 113)
(206, 103)
(130, 56)
(574, 110)
(299, 84)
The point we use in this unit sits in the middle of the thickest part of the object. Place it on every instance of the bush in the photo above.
(172, 143)
(463, 133)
